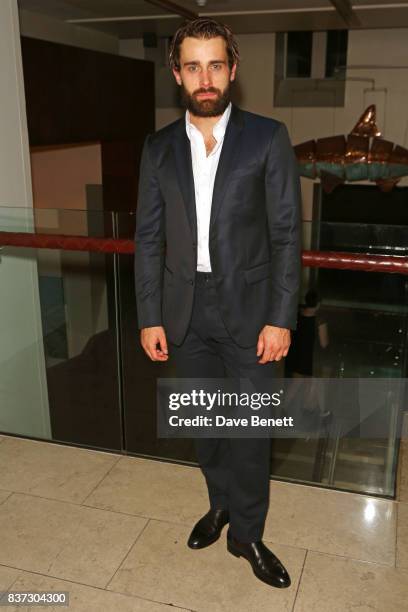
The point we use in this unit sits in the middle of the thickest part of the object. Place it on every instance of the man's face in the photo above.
(204, 76)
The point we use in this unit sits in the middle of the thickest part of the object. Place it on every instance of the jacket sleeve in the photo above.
(283, 203)
(149, 243)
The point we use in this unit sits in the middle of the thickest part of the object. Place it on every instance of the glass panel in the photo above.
(59, 358)
(63, 379)
(358, 330)
(347, 336)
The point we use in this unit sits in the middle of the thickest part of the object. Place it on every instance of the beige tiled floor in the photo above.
(402, 536)
(124, 490)
(111, 530)
(403, 472)
(339, 584)
(211, 580)
(4, 495)
(65, 540)
(83, 598)
(51, 470)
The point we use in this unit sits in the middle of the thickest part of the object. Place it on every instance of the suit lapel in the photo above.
(229, 154)
(184, 166)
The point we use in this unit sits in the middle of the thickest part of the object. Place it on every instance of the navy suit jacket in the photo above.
(254, 238)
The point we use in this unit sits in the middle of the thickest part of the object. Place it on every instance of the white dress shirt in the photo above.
(204, 170)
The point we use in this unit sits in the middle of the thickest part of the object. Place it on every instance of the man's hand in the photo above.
(273, 343)
(149, 338)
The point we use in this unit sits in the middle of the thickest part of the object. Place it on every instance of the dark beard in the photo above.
(206, 108)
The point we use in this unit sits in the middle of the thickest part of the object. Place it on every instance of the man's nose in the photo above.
(205, 78)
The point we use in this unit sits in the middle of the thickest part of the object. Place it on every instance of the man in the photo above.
(217, 263)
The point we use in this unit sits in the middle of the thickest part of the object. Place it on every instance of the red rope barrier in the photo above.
(67, 243)
(310, 259)
(355, 261)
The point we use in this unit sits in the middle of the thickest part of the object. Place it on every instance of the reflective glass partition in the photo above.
(73, 369)
(361, 332)
(59, 366)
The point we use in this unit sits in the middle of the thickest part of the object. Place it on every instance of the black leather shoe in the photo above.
(208, 529)
(265, 565)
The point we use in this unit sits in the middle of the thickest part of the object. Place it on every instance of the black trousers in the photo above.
(236, 469)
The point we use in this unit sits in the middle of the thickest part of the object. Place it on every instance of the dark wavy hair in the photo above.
(206, 28)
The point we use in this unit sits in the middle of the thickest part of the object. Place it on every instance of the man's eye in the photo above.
(216, 66)
(192, 68)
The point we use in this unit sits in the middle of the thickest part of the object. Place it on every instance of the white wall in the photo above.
(23, 388)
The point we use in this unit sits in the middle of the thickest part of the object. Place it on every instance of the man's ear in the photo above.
(177, 76)
(233, 72)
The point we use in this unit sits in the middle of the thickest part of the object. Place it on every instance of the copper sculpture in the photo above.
(361, 155)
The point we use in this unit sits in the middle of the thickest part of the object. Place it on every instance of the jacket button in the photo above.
(191, 281)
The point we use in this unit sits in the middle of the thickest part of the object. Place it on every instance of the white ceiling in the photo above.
(130, 18)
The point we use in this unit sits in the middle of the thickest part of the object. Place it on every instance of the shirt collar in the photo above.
(218, 129)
